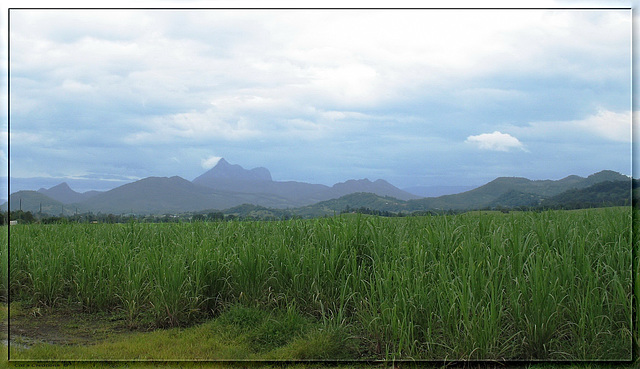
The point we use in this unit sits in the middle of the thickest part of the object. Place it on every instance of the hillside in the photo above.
(351, 201)
(607, 193)
(514, 198)
(157, 195)
(379, 187)
(528, 190)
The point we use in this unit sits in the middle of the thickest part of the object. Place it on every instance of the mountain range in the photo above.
(226, 186)
(608, 187)
(223, 186)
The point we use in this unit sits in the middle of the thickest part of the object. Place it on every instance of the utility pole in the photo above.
(21, 204)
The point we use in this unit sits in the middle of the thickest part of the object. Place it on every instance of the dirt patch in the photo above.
(66, 326)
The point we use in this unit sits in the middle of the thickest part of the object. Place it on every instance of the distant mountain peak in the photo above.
(62, 186)
(61, 192)
(223, 170)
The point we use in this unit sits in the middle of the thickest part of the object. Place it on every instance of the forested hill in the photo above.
(512, 192)
(608, 193)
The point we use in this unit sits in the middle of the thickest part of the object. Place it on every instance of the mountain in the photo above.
(226, 186)
(224, 170)
(379, 187)
(65, 194)
(535, 190)
(227, 177)
(33, 201)
(152, 194)
(607, 193)
(158, 195)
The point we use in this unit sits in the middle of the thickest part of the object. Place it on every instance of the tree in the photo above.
(216, 216)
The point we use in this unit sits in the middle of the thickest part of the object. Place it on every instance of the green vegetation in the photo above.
(553, 285)
(601, 194)
(241, 332)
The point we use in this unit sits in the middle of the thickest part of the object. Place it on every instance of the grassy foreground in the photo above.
(522, 286)
(240, 333)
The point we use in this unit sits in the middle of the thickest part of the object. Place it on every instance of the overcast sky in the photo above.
(416, 97)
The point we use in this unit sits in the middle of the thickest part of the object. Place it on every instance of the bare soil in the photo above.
(66, 326)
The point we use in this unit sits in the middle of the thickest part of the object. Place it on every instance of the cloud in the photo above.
(258, 85)
(210, 162)
(604, 125)
(608, 124)
(496, 141)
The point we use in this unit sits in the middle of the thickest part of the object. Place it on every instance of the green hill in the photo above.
(516, 198)
(570, 192)
(352, 201)
(510, 190)
(608, 193)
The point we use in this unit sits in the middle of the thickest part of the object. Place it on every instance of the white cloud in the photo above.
(496, 141)
(210, 162)
(608, 124)
(604, 125)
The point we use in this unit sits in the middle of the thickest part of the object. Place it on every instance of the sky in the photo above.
(430, 97)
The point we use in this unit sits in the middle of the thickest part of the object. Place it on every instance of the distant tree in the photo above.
(217, 216)
(25, 217)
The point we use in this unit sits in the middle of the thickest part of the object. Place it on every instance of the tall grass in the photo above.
(550, 285)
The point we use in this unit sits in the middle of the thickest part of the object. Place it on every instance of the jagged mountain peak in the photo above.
(62, 192)
(223, 170)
